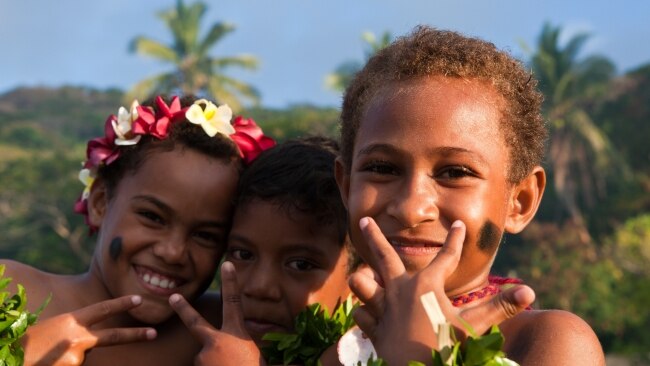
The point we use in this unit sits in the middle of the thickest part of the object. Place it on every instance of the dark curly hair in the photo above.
(428, 51)
(181, 133)
(298, 177)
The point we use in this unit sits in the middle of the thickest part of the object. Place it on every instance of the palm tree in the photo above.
(195, 70)
(581, 155)
(342, 76)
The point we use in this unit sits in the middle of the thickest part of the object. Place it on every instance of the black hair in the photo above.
(298, 177)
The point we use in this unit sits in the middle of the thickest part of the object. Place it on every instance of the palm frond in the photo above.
(149, 47)
(214, 35)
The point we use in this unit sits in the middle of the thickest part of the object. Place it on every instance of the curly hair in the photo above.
(432, 52)
(182, 133)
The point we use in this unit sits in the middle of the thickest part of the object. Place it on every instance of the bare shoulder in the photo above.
(551, 337)
(39, 285)
(20, 273)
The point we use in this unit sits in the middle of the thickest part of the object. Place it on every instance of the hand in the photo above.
(232, 345)
(393, 315)
(64, 339)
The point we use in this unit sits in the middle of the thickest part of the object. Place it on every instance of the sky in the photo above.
(298, 42)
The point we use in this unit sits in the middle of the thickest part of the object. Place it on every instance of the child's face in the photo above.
(172, 216)
(425, 155)
(284, 263)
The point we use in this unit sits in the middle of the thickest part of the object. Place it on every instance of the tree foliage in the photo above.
(581, 156)
(195, 70)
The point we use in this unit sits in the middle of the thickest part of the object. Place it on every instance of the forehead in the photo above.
(268, 224)
(434, 110)
(184, 179)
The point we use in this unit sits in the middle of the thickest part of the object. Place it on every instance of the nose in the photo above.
(415, 202)
(172, 249)
(259, 282)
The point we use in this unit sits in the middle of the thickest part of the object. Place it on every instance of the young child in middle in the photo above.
(289, 246)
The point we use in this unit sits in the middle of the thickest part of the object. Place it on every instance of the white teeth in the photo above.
(157, 281)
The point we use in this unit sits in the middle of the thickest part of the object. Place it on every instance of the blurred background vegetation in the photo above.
(587, 251)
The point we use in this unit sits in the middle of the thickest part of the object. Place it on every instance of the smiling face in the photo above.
(164, 229)
(429, 152)
(284, 263)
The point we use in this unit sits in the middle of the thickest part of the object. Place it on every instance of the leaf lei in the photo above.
(14, 320)
(484, 350)
(315, 331)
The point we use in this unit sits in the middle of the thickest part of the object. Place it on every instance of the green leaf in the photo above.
(315, 331)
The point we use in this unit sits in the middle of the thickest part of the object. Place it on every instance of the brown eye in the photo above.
(456, 172)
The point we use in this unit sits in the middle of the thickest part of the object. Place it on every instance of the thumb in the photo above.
(501, 307)
(233, 317)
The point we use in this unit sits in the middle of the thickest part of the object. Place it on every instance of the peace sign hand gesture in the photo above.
(232, 345)
(63, 340)
(393, 315)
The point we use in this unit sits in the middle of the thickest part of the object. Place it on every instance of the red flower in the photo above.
(150, 123)
(102, 149)
(250, 139)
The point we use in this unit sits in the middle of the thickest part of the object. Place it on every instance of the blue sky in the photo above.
(81, 42)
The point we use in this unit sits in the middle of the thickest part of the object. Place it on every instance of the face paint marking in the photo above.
(115, 249)
(489, 237)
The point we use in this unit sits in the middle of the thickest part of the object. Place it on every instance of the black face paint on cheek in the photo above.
(489, 237)
(115, 249)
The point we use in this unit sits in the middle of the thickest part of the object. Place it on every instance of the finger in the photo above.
(383, 259)
(368, 291)
(103, 310)
(503, 306)
(365, 321)
(200, 328)
(233, 317)
(111, 337)
(446, 261)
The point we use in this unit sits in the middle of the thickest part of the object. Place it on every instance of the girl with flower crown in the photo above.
(159, 187)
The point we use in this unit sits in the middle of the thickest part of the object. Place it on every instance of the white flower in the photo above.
(87, 177)
(213, 119)
(505, 361)
(124, 123)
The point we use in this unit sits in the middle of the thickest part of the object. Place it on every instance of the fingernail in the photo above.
(174, 298)
(151, 334)
(521, 296)
(227, 266)
(136, 300)
(457, 224)
(363, 223)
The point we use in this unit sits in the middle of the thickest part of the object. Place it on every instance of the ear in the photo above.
(524, 200)
(97, 203)
(342, 180)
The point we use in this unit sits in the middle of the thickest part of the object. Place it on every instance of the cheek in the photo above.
(206, 262)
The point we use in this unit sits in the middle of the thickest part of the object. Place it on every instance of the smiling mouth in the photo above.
(155, 279)
(415, 248)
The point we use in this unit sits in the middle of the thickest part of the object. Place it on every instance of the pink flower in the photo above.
(250, 139)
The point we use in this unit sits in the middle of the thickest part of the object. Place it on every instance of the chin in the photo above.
(415, 264)
(152, 314)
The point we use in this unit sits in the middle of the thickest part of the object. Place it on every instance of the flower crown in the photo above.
(128, 127)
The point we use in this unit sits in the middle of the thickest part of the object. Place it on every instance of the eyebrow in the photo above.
(294, 247)
(164, 207)
(444, 151)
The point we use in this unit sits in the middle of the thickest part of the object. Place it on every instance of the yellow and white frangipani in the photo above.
(124, 123)
(87, 177)
(213, 119)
